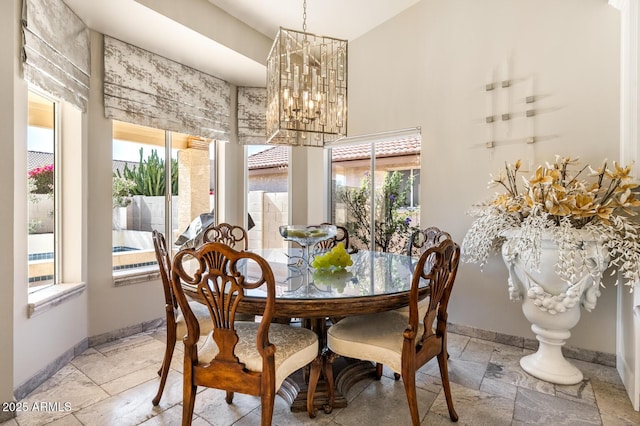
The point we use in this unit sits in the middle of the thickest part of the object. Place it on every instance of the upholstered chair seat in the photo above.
(374, 337)
(295, 347)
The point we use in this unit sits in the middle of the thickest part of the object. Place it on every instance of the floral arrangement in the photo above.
(564, 204)
(41, 180)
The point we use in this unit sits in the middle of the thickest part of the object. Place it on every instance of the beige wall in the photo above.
(10, 130)
(427, 67)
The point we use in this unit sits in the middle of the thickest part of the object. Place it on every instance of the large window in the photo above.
(161, 180)
(375, 192)
(42, 195)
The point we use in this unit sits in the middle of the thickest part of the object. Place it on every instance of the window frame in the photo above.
(68, 243)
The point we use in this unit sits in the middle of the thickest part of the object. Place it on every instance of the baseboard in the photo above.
(580, 354)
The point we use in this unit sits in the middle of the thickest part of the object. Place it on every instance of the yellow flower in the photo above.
(540, 178)
(622, 173)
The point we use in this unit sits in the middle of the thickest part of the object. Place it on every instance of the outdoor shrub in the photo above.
(41, 180)
(392, 223)
(148, 175)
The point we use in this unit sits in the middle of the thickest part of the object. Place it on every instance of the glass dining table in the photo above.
(376, 282)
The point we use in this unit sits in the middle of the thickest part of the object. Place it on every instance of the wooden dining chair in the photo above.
(234, 236)
(176, 325)
(406, 344)
(422, 239)
(342, 236)
(237, 356)
(419, 241)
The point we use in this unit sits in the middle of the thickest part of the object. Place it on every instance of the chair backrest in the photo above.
(232, 235)
(342, 236)
(163, 257)
(422, 239)
(216, 275)
(439, 266)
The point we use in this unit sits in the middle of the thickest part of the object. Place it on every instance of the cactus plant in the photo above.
(149, 175)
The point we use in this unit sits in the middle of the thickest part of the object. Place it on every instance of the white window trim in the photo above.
(138, 276)
(43, 300)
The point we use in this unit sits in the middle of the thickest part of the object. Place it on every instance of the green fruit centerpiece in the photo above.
(335, 259)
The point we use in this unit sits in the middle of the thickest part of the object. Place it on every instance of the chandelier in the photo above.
(306, 88)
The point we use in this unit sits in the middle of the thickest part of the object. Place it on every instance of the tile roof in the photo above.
(39, 159)
(278, 156)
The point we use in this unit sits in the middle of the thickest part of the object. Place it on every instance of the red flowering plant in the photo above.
(41, 180)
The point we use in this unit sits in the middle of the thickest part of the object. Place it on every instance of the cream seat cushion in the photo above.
(202, 315)
(295, 348)
(374, 337)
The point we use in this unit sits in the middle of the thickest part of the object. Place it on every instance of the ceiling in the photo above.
(132, 22)
(345, 19)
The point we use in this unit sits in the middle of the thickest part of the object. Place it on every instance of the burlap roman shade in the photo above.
(143, 88)
(56, 50)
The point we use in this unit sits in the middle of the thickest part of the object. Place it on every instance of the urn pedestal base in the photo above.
(548, 363)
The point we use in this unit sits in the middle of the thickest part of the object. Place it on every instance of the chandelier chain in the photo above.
(304, 16)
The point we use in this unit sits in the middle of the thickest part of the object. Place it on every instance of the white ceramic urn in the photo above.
(552, 304)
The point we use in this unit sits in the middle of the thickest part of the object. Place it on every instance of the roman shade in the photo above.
(56, 51)
(144, 88)
(252, 118)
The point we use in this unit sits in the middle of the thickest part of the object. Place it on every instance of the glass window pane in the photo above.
(268, 196)
(138, 194)
(390, 190)
(42, 191)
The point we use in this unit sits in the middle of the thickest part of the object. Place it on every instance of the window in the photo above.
(268, 194)
(379, 180)
(42, 194)
(141, 173)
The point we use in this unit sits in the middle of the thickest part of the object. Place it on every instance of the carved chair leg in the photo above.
(188, 403)
(330, 357)
(314, 376)
(396, 376)
(379, 370)
(444, 374)
(267, 401)
(229, 397)
(409, 380)
(166, 362)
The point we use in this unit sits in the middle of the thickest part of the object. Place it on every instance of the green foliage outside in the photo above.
(392, 222)
(121, 190)
(149, 176)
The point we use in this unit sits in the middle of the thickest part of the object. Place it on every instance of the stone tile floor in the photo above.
(113, 384)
